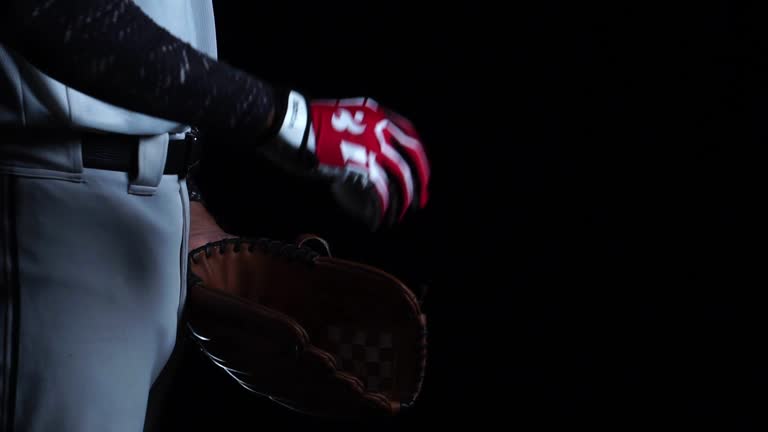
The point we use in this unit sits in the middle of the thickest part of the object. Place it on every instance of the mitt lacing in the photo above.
(273, 247)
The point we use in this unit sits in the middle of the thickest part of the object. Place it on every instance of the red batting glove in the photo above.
(373, 157)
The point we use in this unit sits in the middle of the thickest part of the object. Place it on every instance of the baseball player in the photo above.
(96, 101)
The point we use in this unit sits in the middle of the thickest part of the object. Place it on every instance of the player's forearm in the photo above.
(111, 50)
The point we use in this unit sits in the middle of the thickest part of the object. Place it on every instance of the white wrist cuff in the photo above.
(296, 122)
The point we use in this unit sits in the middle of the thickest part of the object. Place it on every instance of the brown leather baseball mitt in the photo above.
(318, 334)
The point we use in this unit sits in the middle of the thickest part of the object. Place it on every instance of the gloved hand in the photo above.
(372, 157)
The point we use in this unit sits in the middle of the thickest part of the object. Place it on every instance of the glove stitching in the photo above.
(273, 247)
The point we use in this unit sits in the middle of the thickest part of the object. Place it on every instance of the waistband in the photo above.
(107, 151)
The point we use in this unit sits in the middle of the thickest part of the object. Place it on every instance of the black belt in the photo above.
(121, 153)
(114, 152)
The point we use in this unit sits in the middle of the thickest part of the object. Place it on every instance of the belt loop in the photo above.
(152, 153)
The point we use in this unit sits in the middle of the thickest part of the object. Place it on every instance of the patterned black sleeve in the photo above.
(113, 51)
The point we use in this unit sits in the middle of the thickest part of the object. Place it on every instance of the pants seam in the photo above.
(10, 292)
(184, 245)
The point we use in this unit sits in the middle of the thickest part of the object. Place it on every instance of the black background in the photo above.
(587, 246)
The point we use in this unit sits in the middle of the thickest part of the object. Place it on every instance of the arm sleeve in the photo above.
(113, 51)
